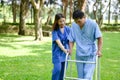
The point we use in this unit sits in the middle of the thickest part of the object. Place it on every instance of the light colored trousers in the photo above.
(85, 70)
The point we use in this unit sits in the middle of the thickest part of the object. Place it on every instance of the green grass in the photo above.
(110, 62)
(22, 58)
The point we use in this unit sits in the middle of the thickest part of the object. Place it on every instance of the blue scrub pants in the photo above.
(58, 71)
(84, 70)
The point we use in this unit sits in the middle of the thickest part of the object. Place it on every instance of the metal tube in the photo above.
(97, 63)
(65, 65)
(88, 62)
(98, 68)
(96, 71)
(73, 78)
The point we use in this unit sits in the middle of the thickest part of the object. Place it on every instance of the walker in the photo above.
(97, 68)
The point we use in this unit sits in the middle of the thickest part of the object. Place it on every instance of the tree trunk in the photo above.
(117, 13)
(100, 18)
(116, 19)
(31, 14)
(37, 6)
(65, 4)
(4, 12)
(14, 10)
(49, 18)
(23, 14)
(38, 26)
(71, 10)
(109, 12)
(82, 5)
(22, 24)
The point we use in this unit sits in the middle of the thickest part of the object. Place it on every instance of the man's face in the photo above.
(80, 22)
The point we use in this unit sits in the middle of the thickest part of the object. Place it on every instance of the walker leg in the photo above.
(98, 68)
(65, 66)
(97, 76)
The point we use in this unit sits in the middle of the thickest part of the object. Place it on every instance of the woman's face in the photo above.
(61, 22)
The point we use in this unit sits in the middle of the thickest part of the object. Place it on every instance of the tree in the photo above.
(98, 11)
(109, 13)
(65, 5)
(4, 9)
(37, 5)
(71, 5)
(14, 9)
(80, 4)
(116, 11)
(49, 18)
(15, 5)
(24, 7)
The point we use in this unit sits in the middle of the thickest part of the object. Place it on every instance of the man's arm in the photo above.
(100, 42)
(71, 44)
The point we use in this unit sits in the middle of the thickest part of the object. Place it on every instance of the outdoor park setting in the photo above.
(26, 40)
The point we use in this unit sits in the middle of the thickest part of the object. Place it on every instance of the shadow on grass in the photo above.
(21, 58)
(13, 38)
(9, 40)
(24, 42)
(9, 35)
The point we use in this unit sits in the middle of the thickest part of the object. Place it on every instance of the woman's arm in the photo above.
(61, 46)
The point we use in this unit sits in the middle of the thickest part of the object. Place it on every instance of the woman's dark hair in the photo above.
(77, 14)
(57, 17)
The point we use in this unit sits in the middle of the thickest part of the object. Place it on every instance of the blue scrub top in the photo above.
(57, 54)
(85, 38)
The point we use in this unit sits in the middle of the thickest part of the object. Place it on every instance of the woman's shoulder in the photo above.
(67, 27)
(54, 31)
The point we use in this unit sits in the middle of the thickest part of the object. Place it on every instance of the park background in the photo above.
(25, 36)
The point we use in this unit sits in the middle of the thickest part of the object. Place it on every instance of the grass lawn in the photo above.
(22, 58)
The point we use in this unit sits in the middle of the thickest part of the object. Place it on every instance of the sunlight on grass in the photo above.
(111, 56)
(18, 46)
(22, 58)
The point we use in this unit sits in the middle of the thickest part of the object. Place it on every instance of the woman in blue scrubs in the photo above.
(60, 46)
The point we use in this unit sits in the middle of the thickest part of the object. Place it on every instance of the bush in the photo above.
(110, 27)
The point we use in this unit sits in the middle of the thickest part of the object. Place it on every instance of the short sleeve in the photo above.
(68, 29)
(71, 34)
(54, 36)
(97, 32)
